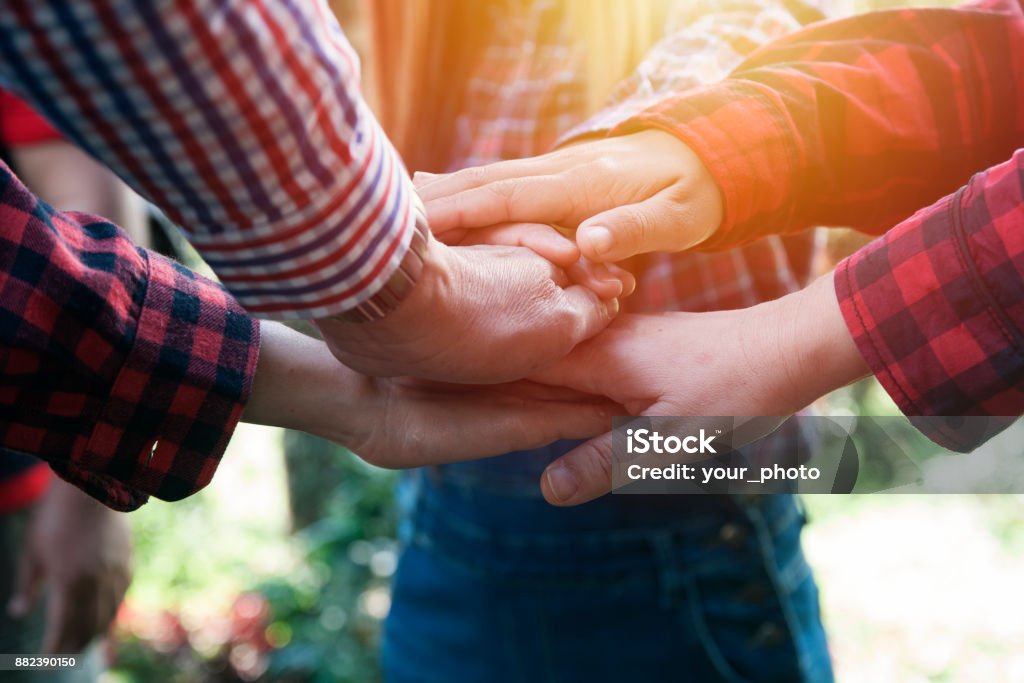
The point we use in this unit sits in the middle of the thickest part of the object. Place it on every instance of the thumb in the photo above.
(580, 475)
(26, 587)
(592, 313)
(655, 224)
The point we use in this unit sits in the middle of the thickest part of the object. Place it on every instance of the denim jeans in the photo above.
(495, 585)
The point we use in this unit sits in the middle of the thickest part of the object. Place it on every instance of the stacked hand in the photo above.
(771, 359)
(625, 196)
(517, 298)
(481, 314)
(404, 422)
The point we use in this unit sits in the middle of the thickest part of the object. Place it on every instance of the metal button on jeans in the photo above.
(733, 535)
(768, 634)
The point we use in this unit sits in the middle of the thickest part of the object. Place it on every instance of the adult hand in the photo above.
(81, 551)
(626, 195)
(481, 314)
(608, 281)
(403, 422)
(769, 360)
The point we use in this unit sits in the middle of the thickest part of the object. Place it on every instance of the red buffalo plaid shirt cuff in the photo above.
(935, 305)
(178, 396)
(125, 371)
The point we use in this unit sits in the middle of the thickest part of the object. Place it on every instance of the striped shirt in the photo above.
(243, 120)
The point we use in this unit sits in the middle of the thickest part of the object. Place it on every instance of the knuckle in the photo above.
(598, 467)
(604, 167)
(640, 224)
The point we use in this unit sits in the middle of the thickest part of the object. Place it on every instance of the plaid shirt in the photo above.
(23, 478)
(122, 369)
(528, 93)
(242, 119)
(860, 122)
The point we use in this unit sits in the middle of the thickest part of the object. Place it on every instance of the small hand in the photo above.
(626, 195)
(769, 360)
(81, 551)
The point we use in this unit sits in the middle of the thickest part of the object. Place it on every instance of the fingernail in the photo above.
(616, 284)
(17, 607)
(420, 177)
(612, 307)
(600, 239)
(629, 285)
(561, 481)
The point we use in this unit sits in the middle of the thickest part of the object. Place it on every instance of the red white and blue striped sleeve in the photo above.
(243, 120)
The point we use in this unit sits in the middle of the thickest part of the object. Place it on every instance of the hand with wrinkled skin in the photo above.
(479, 314)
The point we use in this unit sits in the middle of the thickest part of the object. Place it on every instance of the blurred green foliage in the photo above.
(203, 608)
(329, 616)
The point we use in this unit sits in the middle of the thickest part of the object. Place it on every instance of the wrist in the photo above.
(402, 281)
(384, 346)
(299, 385)
(816, 351)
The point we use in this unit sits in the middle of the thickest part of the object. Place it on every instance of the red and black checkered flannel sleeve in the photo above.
(860, 122)
(124, 370)
(936, 306)
(856, 122)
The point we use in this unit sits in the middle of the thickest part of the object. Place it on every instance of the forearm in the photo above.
(65, 177)
(243, 121)
(299, 385)
(815, 352)
(856, 122)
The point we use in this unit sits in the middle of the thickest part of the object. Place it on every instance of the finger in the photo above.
(656, 224)
(627, 278)
(422, 178)
(111, 600)
(471, 178)
(57, 606)
(452, 238)
(592, 314)
(607, 281)
(26, 587)
(543, 240)
(518, 417)
(595, 278)
(536, 199)
(73, 618)
(533, 425)
(580, 475)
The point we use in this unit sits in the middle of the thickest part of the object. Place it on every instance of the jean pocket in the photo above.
(742, 628)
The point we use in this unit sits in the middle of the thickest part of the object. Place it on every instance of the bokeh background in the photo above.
(914, 588)
(279, 571)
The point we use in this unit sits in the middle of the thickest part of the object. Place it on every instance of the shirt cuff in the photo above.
(177, 397)
(918, 306)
